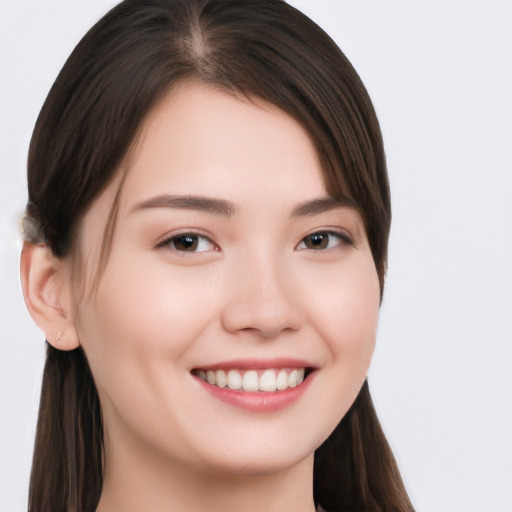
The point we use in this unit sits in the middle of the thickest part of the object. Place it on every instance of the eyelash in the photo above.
(197, 240)
(343, 239)
(193, 239)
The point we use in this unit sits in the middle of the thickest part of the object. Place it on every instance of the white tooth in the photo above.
(282, 380)
(202, 374)
(292, 378)
(250, 381)
(221, 378)
(234, 380)
(268, 381)
(210, 377)
(300, 376)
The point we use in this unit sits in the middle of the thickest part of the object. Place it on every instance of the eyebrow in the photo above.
(227, 208)
(322, 205)
(189, 202)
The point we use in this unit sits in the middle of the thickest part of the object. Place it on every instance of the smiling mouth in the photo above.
(269, 380)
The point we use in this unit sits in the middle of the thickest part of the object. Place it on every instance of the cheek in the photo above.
(346, 310)
(346, 316)
(141, 314)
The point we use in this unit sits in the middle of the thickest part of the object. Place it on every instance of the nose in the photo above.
(262, 299)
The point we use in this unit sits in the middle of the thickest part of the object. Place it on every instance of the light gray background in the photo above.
(440, 75)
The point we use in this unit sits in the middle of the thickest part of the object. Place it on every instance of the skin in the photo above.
(253, 290)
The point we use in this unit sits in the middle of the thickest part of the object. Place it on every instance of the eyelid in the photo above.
(169, 237)
(344, 237)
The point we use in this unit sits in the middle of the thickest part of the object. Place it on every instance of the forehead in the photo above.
(200, 140)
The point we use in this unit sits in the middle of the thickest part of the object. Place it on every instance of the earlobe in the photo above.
(47, 294)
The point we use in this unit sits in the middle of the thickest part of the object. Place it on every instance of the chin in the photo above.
(254, 459)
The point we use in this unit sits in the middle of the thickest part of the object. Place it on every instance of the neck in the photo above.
(144, 481)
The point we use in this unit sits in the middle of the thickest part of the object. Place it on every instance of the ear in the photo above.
(47, 293)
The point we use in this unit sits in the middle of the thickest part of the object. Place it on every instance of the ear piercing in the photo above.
(58, 337)
(32, 230)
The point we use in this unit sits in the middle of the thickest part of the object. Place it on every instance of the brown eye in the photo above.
(185, 243)
(322, 240)
(188, 242)
(317, 241)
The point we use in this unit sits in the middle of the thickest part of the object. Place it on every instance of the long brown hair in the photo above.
(116, 75)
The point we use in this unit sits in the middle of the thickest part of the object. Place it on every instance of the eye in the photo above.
(322, 240)
(188, 242)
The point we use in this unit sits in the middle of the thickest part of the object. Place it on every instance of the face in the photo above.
(235, 320)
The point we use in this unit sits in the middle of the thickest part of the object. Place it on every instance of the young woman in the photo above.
(206, 239)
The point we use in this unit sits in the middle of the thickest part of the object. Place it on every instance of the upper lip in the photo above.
(257, 364)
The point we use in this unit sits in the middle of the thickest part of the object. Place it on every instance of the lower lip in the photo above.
(258, 401)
